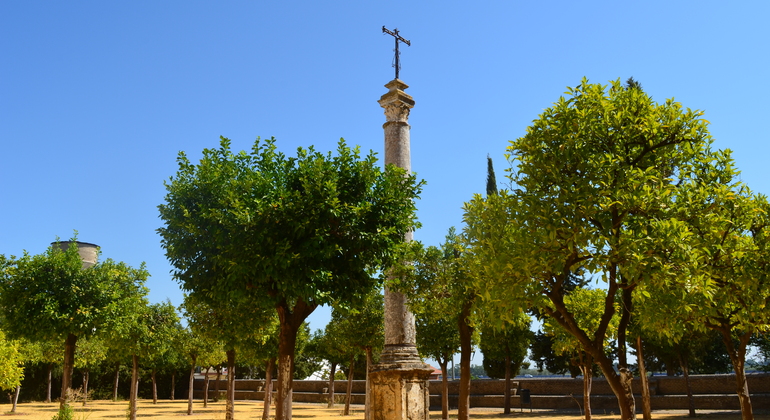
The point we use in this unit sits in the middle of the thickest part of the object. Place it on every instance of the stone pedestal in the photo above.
(400, 391)
(399, 383)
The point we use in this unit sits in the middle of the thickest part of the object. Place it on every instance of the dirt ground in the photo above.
(166, 410)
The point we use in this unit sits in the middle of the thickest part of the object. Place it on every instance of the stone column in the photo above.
(399, 382)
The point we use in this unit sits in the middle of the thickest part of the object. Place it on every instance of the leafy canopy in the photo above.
(48, 296)
(275, 229)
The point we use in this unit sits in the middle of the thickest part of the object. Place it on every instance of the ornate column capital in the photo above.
(396, 102)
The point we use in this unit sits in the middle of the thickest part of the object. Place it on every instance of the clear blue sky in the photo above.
(97, 98)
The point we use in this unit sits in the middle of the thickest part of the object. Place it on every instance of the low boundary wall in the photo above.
(715, 392)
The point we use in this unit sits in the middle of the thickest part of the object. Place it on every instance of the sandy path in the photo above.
(244, 410)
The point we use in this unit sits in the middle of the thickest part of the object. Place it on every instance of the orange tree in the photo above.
(50, 297)
(586, 305)
(721, 247)
(234, 324)
(504, 349)
(594, 177)
(150, 330)
(436, 280)
(289, 233)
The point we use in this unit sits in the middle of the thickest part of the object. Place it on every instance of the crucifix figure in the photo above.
(398, 37)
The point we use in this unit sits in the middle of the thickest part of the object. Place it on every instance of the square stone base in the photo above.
(400, 392)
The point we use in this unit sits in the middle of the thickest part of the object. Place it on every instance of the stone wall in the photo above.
(668, 392)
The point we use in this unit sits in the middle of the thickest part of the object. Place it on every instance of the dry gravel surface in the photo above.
(166, 410)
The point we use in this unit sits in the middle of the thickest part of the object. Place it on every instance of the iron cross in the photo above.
(394, 32)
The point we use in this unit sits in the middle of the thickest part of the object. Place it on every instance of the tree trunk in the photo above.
(646, 408)
(154, 387)
(332, 373)
(626, 403)
(268, 389)
(85, 386)
(16, 398)
(507, 391)
(230, 405)
(219, 377)
(620, 383)
(190, 386)
(206, 388)
(134, 388)
(48, 387)
(350, 386)
(586, 367)
(466, 332)
(444, 389)
(291, 319)
(173, 384)
(369, 363)
(738, 357)
(115, 384)
(69, 365)
(685, 365)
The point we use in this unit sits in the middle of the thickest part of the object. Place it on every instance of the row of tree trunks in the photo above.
(685, 365)
(349, 392)
(507, 390)
(115, 384)
(190, 387)
(466, 332)
(48, 387)
(134, 388)
(268, 389)
(738, 358)
(586, 368)
(154, 387)
(444, 389)
(646, 407)
(14, 398)
(230, 404)
(85, 386)
(69, 366)
(206, 383)
(291, 319)
(369, 363)
(332, 373)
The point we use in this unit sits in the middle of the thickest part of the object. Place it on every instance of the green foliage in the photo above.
(90, 353)
(546, 359)
(596, 183)
(704, 353)
(273, 228)
(511, 343)
(223, 321)
(437, 335)
(305, 361)
(47, 352)
(66, 412)
(435, 279)
(11, 359)
(330, 344)
(259, 348)
(360, 326)
(150, 330)
(587, 307)
(49, 295)
(491, 179)
(284, 233)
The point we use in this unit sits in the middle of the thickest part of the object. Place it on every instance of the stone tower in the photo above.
(399, 382)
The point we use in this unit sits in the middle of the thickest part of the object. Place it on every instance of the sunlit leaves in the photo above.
(264, 226)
